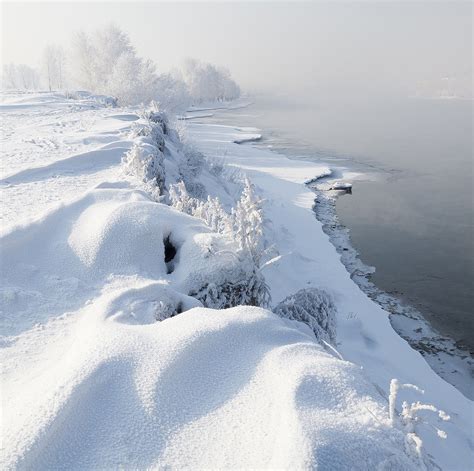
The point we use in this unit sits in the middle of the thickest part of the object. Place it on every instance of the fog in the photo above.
(308, 50)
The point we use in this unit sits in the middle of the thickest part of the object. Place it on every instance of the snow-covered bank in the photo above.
(454, 365)
(307, 258)
(92, 380)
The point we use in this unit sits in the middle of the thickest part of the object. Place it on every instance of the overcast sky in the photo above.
(318, 47)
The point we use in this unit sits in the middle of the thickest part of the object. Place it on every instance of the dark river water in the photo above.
(413, 218)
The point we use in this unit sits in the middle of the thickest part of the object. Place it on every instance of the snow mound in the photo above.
(107, 231)
(237, 388)
(56, 263)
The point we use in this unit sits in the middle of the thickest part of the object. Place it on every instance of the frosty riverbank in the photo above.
(93, 380)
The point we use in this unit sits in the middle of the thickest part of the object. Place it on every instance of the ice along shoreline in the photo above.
(451, 363)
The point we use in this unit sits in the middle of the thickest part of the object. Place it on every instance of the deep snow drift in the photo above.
(108, 361)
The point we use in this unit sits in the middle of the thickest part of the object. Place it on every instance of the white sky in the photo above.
(291, 47)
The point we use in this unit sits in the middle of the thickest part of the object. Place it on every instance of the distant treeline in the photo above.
(105, 62)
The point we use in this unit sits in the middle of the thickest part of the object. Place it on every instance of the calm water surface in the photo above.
(414, 223)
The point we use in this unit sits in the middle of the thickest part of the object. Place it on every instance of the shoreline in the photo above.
(445, 358)
(450, 362)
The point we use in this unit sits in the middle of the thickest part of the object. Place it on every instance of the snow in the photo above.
(108, 362)
(55, 147)
(179, 393)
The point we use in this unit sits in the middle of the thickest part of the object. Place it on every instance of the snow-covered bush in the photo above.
(158, 117)
(192, 164)
(249, 290)
(248, 223)
(315, 308)
(249, 286)
(244, 223)
(181, 200)
(214, 215)
(145, 161)
(209, 210)
(240, 283)
(147, 129)
(410, 417)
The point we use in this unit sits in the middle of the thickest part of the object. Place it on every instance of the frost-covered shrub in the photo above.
(249, 286)
(248, 289)
(146, 158)
(248, 223)
(315, 308)
(157, 117)
(410, 417)
(192, 164)
(145, 161)
(196, 189)
(181, 200)
(214, 215)
(210, 210)
(152, 131)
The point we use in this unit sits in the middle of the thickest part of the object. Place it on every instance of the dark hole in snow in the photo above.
(165, 310)
(170, 254)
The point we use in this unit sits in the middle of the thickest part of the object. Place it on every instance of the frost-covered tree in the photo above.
(132, 80)
(9, 77)
(28, 76)
(83, 61)
(54, 60)
(49, 65)
(110, 45)
(106, 62)
(206, 82)
(20, 76)
(171, 93)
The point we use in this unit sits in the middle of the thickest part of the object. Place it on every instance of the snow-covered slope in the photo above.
(205, 389)
(92, 380)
